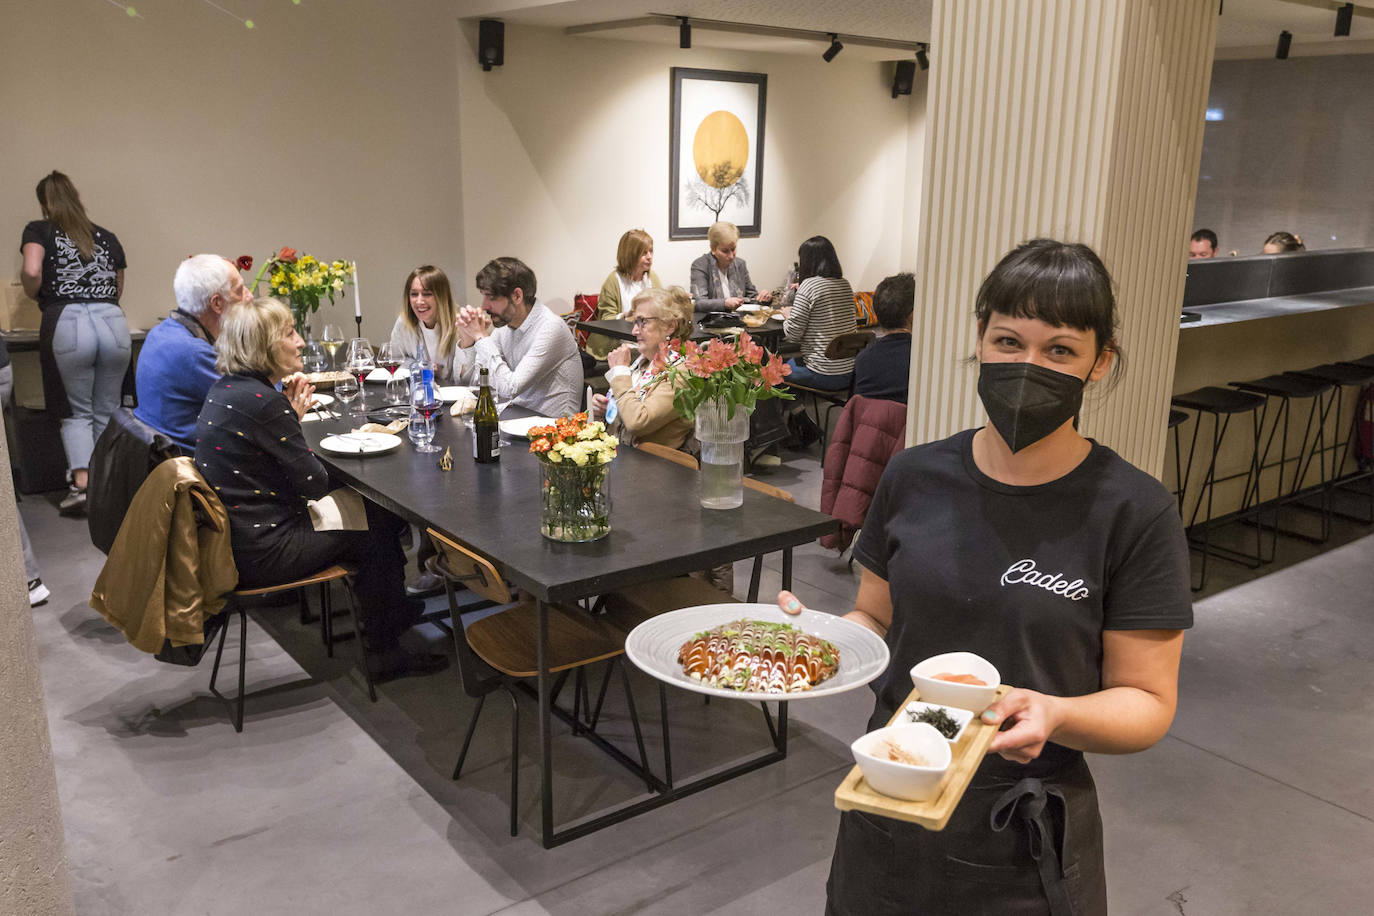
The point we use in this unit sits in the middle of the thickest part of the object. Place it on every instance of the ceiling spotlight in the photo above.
(1344, 15)
(1285, 42)
(922, 60)
(835, 48)
(684, 33)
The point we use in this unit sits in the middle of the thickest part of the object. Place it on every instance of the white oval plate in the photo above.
(654, 644)
(360, 445)
(379, 375)
(455, 392)
(322, 400)
(521, 426)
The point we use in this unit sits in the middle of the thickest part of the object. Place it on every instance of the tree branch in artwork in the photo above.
(726, 182)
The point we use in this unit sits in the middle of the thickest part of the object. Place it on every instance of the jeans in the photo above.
(804, 376)
(30, 562)
(91, 347)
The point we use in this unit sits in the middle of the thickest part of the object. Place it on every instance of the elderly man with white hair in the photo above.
(176, 366)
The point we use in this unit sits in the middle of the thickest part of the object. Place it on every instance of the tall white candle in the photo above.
(357, 297)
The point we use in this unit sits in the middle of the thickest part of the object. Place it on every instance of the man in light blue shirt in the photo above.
(176, 366)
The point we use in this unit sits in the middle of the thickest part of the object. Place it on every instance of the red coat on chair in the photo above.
(870, 431)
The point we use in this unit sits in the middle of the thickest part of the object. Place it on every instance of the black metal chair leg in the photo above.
(467, 739)
(327, 619)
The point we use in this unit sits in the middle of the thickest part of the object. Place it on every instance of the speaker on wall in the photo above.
(903, 77)
(491, 43)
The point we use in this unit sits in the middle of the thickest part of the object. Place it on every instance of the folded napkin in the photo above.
(464, 404)
(341, 510)
(394, 427)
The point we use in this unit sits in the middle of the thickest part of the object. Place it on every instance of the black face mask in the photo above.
(1026, 402)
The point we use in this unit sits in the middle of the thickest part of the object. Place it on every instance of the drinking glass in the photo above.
(347, 390)
(424, 408)
(331, 340)
(360, 363)
(398, 392)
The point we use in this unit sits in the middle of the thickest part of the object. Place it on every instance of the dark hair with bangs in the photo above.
(816, 258)
(1060, 283)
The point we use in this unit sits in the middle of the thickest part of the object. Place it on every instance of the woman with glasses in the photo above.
(641, 388)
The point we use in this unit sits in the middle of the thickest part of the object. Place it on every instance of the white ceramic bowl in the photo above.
(949, 693)
(961, 717)
(903, 780)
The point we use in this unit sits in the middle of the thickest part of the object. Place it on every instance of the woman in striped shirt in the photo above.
(823, 308)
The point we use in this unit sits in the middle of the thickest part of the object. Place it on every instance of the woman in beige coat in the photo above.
(642, 388)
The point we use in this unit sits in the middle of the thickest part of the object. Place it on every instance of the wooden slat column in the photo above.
(1080, 120)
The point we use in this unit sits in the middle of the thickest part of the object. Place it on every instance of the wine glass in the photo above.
(397, 397)
(360, 363)
(424, 408)
(388, 357)
(312, 357)
(347, 390)
(331, 339)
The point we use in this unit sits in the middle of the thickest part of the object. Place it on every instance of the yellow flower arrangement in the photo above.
(304, 280)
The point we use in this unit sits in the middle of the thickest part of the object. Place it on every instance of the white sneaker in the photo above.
(74, 503)
(38, 592)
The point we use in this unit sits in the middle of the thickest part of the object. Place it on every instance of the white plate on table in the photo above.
(654, 644)
(379, 375)
(455, 392)
(321, 400)
(360, 445)
(521, 426)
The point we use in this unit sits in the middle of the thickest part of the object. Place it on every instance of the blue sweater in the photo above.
(882, 369)
(176, 368)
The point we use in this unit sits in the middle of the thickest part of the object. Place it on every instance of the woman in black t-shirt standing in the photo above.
(75, 269)
(1055, 559)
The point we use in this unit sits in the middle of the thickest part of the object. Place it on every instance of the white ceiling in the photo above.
(1244, 24)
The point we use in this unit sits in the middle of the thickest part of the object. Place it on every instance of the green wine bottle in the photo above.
(486, 429)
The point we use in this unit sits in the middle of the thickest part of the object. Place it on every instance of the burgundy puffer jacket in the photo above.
(869, 433)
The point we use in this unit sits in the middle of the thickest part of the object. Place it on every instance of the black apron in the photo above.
(1023, 840)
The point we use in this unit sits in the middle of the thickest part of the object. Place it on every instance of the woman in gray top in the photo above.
(720, 280)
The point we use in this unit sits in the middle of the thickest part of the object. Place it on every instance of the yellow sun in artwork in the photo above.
(720, 149)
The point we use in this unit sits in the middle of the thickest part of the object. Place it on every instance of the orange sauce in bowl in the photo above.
(960, 679)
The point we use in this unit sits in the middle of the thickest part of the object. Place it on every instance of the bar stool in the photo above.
(1285, 389)
(1341, 376)
(1176, 419)
(1221, 404)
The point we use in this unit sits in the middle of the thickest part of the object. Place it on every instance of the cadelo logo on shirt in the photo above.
(1024, 572)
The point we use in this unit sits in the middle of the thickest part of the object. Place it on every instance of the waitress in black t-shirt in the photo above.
(75, 269)
(1055, 559)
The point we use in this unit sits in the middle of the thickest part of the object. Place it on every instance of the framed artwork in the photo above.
(716, 151)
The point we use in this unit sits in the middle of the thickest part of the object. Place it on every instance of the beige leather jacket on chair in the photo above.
(171, 563)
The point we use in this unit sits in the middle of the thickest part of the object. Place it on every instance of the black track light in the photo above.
(684, 33)
(835, 48)
(1285, 42)
(1344, 16)
(922, 60)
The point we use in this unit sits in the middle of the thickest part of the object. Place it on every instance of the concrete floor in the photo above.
(1259, 801)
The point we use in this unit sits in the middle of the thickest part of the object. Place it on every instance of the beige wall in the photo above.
(329, 127)
(566, 147)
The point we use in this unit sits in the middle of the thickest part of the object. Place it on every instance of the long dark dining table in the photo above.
(658, 529)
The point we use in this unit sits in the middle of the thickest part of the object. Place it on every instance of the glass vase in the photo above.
(722, 440)
(574, 502)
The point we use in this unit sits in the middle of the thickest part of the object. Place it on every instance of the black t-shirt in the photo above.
(1027, 577)
(882, 369)
(68, 277)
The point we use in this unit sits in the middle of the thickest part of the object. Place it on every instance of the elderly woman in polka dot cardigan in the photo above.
(249, 448)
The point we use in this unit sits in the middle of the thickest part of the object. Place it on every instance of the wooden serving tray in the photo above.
(854, 793)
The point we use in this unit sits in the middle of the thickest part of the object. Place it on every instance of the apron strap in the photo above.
(1029, 798)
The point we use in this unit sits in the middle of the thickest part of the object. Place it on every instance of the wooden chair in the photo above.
(498, 651)
(841, 346)
(322, 578)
